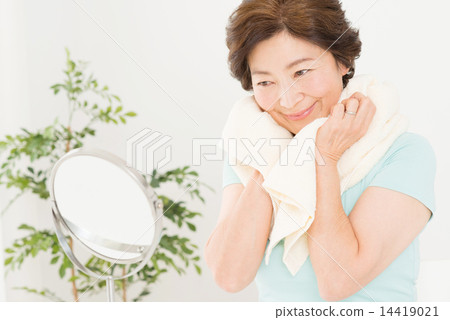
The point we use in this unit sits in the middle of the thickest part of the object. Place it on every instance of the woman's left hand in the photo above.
(342, 130)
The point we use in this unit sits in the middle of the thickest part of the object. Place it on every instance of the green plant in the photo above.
(29, 157)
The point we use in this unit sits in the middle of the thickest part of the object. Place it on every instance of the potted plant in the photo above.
(27, 159)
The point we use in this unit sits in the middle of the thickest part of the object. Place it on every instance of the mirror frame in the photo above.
(145, 251)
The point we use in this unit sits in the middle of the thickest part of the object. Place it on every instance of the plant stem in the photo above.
(11, 202)
(68, 139)
(124, 286)
(72, 273)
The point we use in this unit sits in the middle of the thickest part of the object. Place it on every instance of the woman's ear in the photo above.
(344, 70)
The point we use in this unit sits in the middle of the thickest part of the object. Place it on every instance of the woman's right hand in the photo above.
(236, 247)
(257, 177)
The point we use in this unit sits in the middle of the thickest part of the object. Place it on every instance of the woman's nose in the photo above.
(290, 95)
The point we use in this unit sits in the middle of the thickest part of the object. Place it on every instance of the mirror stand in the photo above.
(110, 289)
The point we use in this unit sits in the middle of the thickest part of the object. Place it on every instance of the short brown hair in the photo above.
(320, 22)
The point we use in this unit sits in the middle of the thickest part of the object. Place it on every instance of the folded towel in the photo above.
(252, 139)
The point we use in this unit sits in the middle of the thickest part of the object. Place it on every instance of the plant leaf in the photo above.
(8, 260)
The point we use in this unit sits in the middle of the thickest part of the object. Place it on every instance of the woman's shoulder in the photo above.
(410, 145)
(409, 166)
(228, 175)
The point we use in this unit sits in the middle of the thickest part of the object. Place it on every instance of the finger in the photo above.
(358, 96)
(352, 106)
(364, 116)
(369, 116)
(365, 107)
(338, 111)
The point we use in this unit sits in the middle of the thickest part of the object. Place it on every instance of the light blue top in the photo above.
(409, 166)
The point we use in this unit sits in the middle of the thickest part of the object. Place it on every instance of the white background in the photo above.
(181, 44)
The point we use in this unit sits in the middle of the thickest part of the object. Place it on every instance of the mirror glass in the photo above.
(104, 206)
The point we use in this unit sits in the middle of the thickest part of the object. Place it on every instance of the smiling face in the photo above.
(277, 62)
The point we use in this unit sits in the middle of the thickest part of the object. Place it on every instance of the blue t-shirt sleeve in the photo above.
(229, 176)
(410, 168)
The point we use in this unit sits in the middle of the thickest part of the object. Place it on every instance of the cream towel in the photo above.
(251, 138)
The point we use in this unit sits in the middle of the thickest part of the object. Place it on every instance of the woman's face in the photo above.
(274, 65)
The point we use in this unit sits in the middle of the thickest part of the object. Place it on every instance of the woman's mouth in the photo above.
(302, 114)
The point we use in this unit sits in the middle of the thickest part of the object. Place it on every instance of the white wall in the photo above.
(182, 45)
(14, 111)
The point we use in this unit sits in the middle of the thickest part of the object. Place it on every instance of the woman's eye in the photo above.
(299, 73)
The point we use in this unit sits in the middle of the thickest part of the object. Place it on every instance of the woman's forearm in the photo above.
(236, 247)
(331, 241)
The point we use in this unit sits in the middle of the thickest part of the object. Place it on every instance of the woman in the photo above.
(362, 246)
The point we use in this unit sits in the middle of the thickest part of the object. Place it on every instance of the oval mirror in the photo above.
(107, 207)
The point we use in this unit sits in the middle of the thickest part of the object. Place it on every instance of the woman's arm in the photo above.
(235, 249)
(349, 252)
